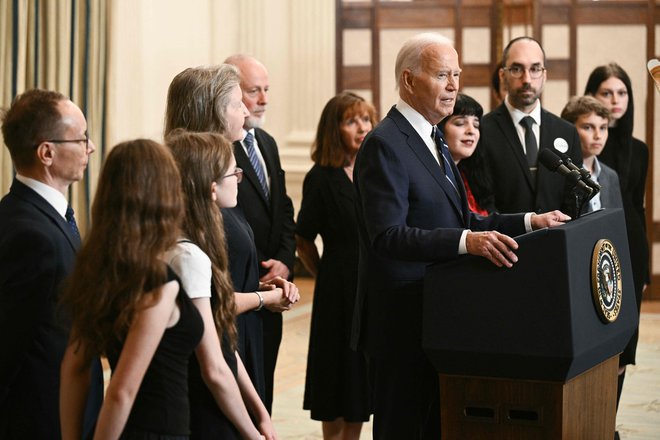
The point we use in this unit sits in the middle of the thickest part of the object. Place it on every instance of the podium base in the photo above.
(493, 408)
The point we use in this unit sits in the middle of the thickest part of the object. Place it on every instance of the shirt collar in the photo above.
(517, 115)
(245, 132)
(419, 123)
(55, 198)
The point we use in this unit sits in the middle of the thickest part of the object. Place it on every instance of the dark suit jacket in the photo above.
(272, 224)
(37, 251)
(505, 158)
(610, 192)
(409, 217)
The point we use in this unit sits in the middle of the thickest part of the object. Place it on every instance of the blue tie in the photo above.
(71, 221)
(444, 152)
(254, 161)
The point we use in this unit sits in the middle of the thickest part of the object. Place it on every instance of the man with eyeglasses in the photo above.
(513, 134)
(46, 135)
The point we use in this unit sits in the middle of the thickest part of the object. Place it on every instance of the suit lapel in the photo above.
(505, 123)
(30, 196)
(419, 148)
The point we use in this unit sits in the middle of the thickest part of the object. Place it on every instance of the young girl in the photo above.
(127, 305)
(217, 377)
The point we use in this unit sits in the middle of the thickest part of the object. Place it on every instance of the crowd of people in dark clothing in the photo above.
(182, 278)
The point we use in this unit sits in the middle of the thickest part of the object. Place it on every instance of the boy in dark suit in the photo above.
(591, 119)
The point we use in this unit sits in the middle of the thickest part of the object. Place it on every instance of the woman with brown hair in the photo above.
(217, 377)
(127, 305)
(337, 388)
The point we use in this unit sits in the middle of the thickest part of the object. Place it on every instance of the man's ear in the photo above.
(408, 80)
(214, 185)
(45, 153)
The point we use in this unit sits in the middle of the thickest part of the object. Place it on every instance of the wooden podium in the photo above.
(524, 353)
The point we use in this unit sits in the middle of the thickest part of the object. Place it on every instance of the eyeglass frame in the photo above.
(522, 69)
(238, 172)
(67, 141)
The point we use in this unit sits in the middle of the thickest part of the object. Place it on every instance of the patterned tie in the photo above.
(444, 153)
(531, 148)
(254, 161)
(71, 220)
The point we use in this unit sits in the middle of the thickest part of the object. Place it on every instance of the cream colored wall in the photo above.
(153, 40)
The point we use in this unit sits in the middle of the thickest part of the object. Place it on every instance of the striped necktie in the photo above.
(444, 153)
(71, 221)
(256, 164)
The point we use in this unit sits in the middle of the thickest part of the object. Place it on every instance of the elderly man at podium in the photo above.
(413, 212)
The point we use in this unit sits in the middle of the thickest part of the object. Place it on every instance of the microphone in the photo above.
(552, 162)
(586, 177)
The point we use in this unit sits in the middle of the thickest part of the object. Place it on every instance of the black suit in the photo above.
(273, 227)
(513, 187)
(37, 251)
(409, 217)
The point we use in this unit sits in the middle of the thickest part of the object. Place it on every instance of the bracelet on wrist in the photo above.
(261, 301)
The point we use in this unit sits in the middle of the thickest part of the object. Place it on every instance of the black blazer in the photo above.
(272, 224)
(505, 159)
(37, 251)
(409, 217)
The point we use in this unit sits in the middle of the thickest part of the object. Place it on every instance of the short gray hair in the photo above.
(410, 54)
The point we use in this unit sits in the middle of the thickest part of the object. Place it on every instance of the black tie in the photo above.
(71, 221)
(444, 153)
(256, 164)
(531, 148)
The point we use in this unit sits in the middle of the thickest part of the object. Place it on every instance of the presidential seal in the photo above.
(606, 281)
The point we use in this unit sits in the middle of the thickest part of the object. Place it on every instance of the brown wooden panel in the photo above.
(546, 3)
(656, 230)
(475, 75)
(481, 3)
(558, 69)
(611, 14)
(358, 16)
(356, 77)
(476, 16)
(398, 16)
(517, 15)
(653, 292)
(556, 15)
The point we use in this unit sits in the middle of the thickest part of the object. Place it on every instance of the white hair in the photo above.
(410, 54)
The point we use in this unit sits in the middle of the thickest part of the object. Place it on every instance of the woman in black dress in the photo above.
(337, 388)
(126, 303)
(629, 157)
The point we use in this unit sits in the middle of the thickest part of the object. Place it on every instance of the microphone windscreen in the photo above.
(549, 159)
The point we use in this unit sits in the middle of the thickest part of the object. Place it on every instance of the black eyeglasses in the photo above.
(238, 172)
(516, 71)
(66, 141)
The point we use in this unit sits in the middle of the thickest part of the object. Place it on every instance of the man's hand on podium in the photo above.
(548, 219)
(496, 247)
